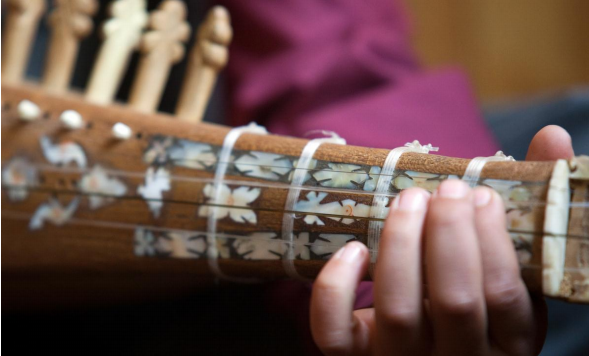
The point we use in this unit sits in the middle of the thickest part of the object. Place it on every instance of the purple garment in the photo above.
(346, 66)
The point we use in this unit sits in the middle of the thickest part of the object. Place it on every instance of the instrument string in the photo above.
(298, 214)
(268, 184)
(132, 227)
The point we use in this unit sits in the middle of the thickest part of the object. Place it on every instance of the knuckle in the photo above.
(403, 317)
(459, 305)
(505, 295)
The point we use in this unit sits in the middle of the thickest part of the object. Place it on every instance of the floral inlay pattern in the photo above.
(231, 203)
(347, 176)
(63, 153)
(192, 155)
(258, 246)
(100, 187)
(338, 209)
(264, 165)
(166, 150)
(53, 212)
(176, 244)
(406, 179)
(17, 176)
(156, 183)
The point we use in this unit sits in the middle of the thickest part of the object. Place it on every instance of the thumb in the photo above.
(550, 143)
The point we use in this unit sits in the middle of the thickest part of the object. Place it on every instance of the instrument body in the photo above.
(83, 223)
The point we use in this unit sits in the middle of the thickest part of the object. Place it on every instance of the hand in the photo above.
(447, 280)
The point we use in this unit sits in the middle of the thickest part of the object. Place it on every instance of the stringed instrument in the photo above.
(102, 201)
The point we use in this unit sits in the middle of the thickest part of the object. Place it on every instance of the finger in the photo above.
(398, 295)
(454, 272)
(549, 144)
(334, 329)
(509, 307)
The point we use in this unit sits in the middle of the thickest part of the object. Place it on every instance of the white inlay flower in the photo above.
(100, 187)
(403, 182)
(144, 242)
(156, 182)
(182, 244)
(17, 176)
(349, 207)
(233, 204)
(333, 210)
(427, 181)
(54, 212)
(192, 155)
(224, 244)
(330, 243)
(520, 194)
(301, 246)
(157, 152)
(340, 175)
(259, 246)
(263, 165)
(63, 153)
(374, 175)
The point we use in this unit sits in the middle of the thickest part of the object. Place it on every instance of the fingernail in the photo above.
(453, 189)
(411, 200)
(349, 252)
(482, 197)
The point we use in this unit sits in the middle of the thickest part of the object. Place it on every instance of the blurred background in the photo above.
(528, 61)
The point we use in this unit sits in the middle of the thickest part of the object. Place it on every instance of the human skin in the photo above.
(447, 280)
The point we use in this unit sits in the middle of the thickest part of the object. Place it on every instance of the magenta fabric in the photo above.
(346, 66)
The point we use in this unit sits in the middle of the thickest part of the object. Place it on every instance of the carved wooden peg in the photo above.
(207, 57)
(122, 34)
(18, 37)
(70, 22)
(161, 47)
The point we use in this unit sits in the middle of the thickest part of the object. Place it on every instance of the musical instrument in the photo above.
(105, 201)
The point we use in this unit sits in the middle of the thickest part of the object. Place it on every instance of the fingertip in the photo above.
(550, 143)
(411, 200)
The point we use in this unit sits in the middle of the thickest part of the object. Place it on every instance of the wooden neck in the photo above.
(98, 205)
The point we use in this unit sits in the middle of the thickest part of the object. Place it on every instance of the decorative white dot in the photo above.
(28, 111)
(121, 131)
(71, 119)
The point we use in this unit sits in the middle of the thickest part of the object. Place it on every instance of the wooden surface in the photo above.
(70, 21)
(208, 56)
(122, 33)
(508, 48)
(93, 259)
(161, 47)
(18, 36)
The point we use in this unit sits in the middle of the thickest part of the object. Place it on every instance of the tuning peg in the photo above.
(122, 33)
(28, 111)
(70, 21)
(71, 119)
(17, 37)
(161, 47)
(121, 131)
(207, 57)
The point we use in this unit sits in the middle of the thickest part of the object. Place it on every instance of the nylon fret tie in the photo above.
(380, 198)
(472, 173)
(300, 171)
(222, 164)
